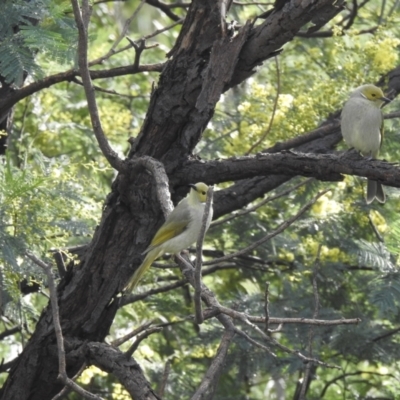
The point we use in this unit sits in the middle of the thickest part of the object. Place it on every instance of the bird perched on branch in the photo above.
(179, 231)
(362, 128)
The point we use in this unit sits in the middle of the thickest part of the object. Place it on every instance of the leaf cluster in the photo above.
(31, 27)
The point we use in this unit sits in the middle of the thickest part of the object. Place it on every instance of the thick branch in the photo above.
(278, 28)
(325, 167)
(321, 140)
(6, 102)
(126, 369)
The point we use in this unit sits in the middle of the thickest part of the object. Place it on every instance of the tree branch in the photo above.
(274, 320)
(208, 385)
(82, 21)
(266, 306)
(13, 98)
(266, 40)
(165, 8)
(272, 234)
(307, 374)
(140, 337)
(126, 369)
(260, 204)
(199, 257)
(57, 328)
(325, 167)
(9, 332)
(124, 30)
(275, 106)
(141, 328)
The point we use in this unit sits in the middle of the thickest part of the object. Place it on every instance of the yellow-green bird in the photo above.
(179, 231)
(362, 128)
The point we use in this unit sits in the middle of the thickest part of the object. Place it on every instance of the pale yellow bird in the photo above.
(362, 128)
(180, 230)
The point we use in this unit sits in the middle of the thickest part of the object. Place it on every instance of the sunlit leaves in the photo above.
(41, 208)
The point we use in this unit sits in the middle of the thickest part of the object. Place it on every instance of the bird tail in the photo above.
(144, 266)
(375, 191)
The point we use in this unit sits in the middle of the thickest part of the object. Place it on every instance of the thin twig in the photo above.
(386, 335)
(392, 115)
(209, 298)
(161, 30)
(106, 91)
(299, 140)
(307, 373)
(82, 22)
(132, 298)
(252, 341)
(271, 120)
(125, 338)
(62, 373)
(273, 320)
(259, 3)
(375, 229)
(210, 379)
(394, 7)
(266, 306)
(261, 203)
(146, 333)
(125, 29)
(163, 8)
(100, 60)
(67, 389)
(179, 5)
(163, 384)
(199, 257)
(383, 5)
(343, 376)
(284, 225)
(243, 318)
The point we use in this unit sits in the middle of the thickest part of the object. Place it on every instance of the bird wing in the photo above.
(175, 224)
(168, 231)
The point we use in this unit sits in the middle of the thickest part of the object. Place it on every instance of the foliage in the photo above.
(31, 27)
(36, 203)
(54, 179)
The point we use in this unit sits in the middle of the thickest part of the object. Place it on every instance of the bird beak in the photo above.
(385, 99)
(193, 186)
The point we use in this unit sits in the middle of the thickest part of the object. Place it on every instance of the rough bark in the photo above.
(180, 107)
(324, 167)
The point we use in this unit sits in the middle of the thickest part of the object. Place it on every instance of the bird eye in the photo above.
(373, 94)
(203, 193)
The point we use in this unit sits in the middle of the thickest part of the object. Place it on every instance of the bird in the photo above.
(362, 128)
(179, 231)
